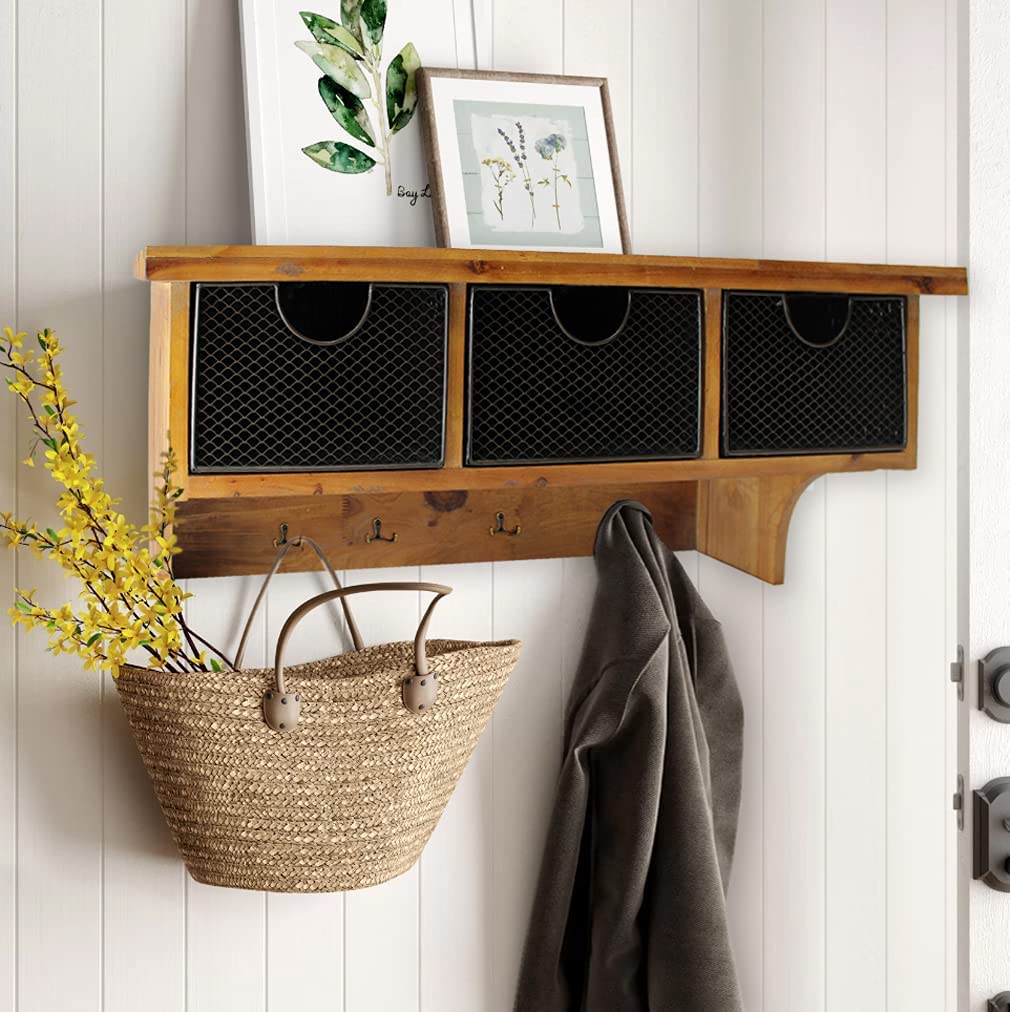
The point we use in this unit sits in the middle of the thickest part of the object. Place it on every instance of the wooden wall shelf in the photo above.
(734, 509)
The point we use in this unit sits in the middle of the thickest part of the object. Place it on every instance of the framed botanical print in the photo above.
(335, 150)
(522, 161)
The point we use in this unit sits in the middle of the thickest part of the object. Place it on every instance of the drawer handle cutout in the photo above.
(819, 319)
(316, 310)
(591, 315)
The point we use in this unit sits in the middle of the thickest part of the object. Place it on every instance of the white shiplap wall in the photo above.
(788, 128)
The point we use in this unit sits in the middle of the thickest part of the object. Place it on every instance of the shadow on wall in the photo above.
(217, 188)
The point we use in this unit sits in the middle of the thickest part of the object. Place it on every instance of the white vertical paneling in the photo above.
(60, 795)
(594, 48)
(381, 929)
(140, 155)
(738, 603)
(528, 35)
(305, 934)
(526, 754)
(729, 200)
(665, 106)
(793, 729)
(225, 928)
(855, 516)
(8, 494)
(579, 582)
(483, 33)
(730, 128)
(916, 529)
(456, 867)
(794, 713)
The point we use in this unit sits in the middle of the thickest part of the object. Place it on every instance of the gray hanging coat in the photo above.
(630, 912)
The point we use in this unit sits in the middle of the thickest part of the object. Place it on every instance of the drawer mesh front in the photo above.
(536, 395)
(783, 396)
(265, 399)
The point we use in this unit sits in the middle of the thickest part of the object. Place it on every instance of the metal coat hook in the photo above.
(283, 539)
(499, 528)
(377, 534)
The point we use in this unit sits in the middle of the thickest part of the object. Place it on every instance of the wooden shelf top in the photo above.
(380, 263)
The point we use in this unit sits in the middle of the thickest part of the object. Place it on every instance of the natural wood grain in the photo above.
(712, 373)
(159, 381)
(224, 537)
(376, 263)
(744, 522)
(178, 372)
(455, 377)
(545, 476)
(912, 359)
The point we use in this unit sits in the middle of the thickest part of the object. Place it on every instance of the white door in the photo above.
(985, 584)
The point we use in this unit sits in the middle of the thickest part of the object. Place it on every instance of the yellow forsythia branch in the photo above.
(130, 599)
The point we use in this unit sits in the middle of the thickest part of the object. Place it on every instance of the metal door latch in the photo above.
(957, 671)
(992, 834)
(994, 684)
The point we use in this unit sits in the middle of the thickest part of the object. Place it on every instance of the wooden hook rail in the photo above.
(736, 509)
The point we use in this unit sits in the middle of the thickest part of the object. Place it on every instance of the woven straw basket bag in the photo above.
(319, 777)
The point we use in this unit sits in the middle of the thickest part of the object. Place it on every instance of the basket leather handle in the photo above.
(282, 708)
(281, 552)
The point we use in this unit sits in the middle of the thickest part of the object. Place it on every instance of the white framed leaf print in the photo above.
(334, 139)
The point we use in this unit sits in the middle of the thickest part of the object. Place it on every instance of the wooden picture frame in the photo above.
(522, 161)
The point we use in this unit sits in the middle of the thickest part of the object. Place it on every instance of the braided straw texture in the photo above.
(347, 799)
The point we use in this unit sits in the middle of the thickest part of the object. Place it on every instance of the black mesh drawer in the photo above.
(812, 373)
(581, 374)
(317, 376)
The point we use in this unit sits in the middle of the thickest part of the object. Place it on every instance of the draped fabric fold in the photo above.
(630, 912)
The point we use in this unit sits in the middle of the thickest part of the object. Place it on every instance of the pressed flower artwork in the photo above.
(521, 161)
(549, 175)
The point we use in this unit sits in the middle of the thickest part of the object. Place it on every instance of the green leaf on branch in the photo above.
(339, 157)
(49, 409)
(330, 33)
(23, 606)
(53, 536)
(373, 17)
(337, 64)
(401, 87)
(42, 341)
(215, 664)
(350, 17)
(92, 640)
(347, 109)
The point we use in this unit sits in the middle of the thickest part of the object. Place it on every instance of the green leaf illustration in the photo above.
(373, 14)
(401, 89)
(339, 65)
(339, 157)
(350, 17)
(347, 110)
(330, 33)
